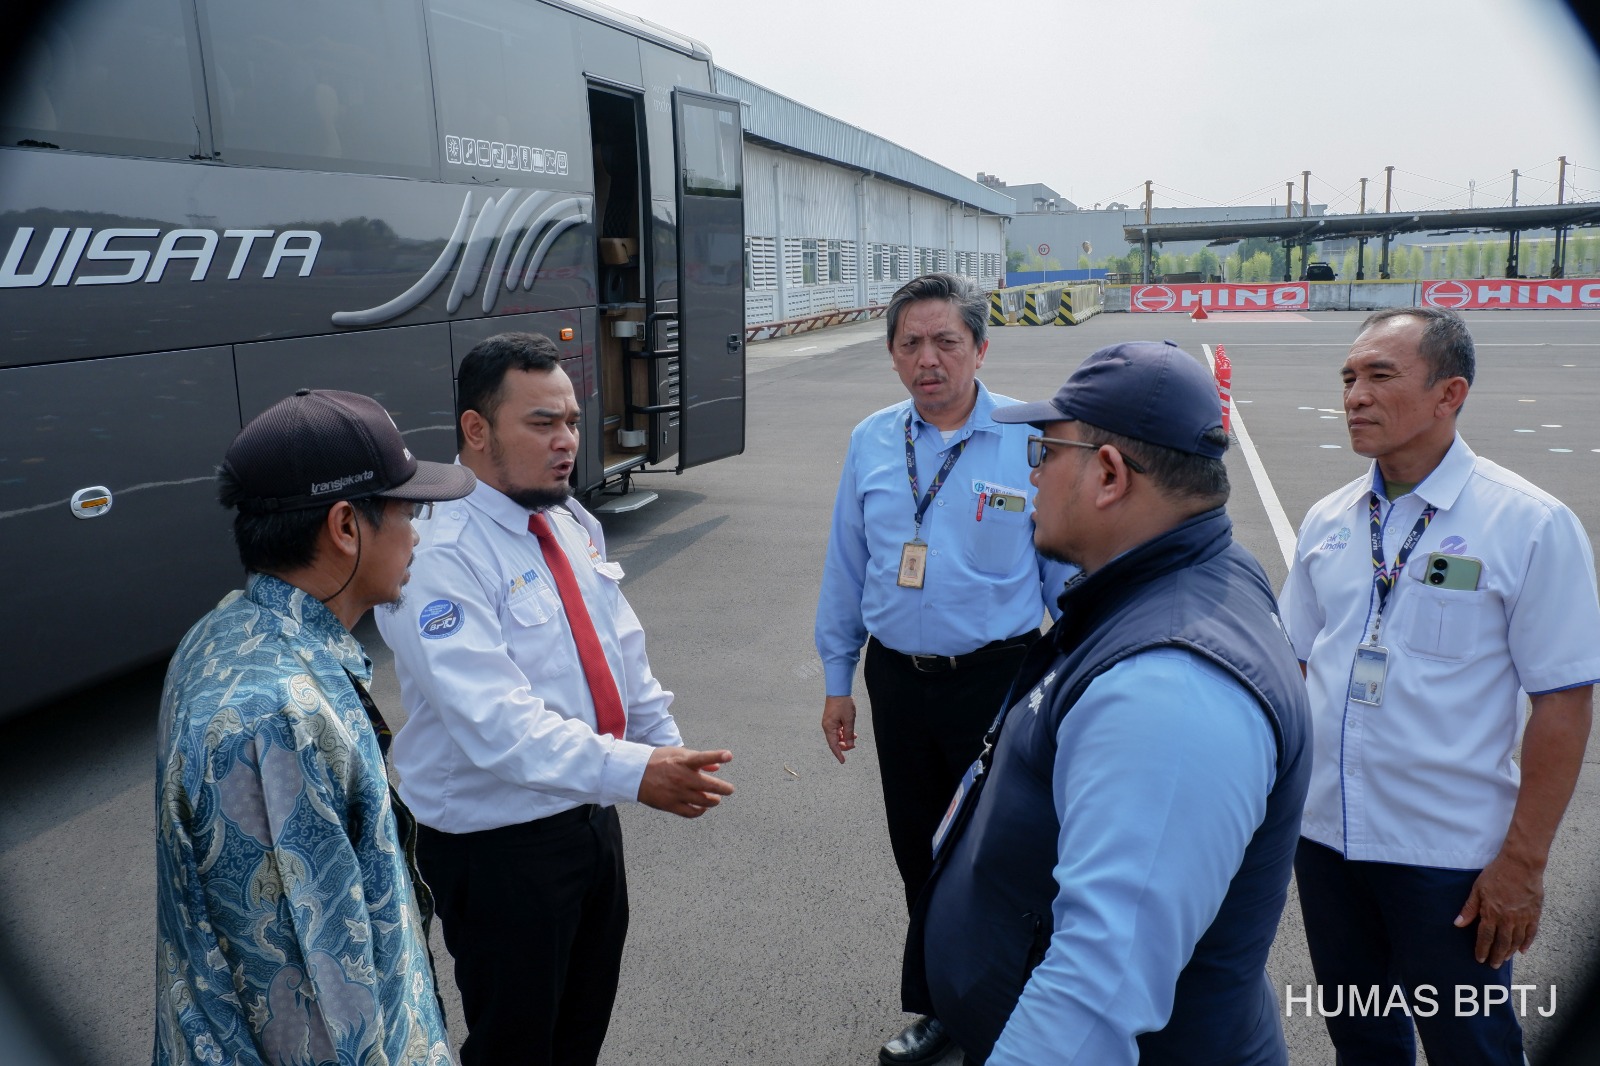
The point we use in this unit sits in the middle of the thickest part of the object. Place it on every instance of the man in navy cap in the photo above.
(1112, 870)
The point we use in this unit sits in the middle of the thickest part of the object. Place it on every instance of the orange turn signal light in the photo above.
(566, 333)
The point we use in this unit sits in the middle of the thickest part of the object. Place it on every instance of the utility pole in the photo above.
(1513, 237)
(1388, 206)
(1558, 265)
(1288, 212)
(1145, 265)
(1361, 243)
(1305, 212)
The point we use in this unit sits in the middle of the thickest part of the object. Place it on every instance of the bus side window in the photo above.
(302, 84)
(109, 76)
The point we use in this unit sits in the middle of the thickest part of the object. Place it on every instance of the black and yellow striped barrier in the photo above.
(1079, 302)
(997, 308)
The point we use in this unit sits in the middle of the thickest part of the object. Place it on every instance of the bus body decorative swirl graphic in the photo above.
(531, 228)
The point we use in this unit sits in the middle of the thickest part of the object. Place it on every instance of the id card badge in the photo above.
(949, 818)
(1366, 677)
(913, 564)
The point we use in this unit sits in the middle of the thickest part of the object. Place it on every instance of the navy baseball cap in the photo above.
(322, 445)
(1152, 391)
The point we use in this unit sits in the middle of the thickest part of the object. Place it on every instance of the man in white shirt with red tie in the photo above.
(532, 712)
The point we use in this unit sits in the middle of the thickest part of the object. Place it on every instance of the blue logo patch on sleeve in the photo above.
(440, 619)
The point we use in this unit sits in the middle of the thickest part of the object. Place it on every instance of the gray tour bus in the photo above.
(206, 204)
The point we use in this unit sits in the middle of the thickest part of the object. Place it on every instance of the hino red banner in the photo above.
(1552, 294)
(1279, 296)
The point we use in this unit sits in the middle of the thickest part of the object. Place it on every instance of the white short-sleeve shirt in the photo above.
(1426, 778)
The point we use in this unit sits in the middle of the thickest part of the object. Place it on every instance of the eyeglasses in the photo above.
(1036, 451)
(419, 510)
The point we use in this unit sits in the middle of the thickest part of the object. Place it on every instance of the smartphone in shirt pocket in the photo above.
(1443, 607)
(1002, 532)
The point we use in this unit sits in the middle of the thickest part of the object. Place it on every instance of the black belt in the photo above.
(584, 812)
(938, 664)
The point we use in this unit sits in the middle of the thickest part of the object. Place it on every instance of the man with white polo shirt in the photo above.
(1425, 598)
(532, 711)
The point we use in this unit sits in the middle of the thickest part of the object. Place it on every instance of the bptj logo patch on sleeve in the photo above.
(440, 619)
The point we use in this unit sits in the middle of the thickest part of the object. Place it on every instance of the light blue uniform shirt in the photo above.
(984, 581)
(1161, 778)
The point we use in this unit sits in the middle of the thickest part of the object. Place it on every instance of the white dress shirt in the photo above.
(1426, 778)
(501, 723)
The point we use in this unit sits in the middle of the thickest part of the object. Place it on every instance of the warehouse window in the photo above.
(808, 261)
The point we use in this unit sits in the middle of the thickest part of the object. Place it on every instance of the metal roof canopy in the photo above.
(1301, 231)
(776, 121)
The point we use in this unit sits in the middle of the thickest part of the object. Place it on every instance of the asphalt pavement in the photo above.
(770, 930)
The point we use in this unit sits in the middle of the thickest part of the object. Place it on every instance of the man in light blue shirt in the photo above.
(931, 565)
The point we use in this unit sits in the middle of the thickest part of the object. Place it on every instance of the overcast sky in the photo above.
(1217, 102)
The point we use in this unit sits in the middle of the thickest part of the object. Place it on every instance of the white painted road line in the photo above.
(1269, 496)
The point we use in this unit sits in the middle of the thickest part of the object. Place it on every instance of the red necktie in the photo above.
(608, 713)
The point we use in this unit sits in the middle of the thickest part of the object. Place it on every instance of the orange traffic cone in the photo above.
(1199, 313)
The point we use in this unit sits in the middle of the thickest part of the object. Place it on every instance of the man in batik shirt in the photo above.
(289, 925)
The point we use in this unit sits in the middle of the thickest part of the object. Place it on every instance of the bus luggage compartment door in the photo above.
(100, 582)
(711, 368)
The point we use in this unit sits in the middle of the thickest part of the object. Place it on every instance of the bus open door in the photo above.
(711, 367)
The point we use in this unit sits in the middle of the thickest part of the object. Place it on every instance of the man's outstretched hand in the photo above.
(679, 781)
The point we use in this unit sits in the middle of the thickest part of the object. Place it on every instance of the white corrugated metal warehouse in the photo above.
(855, 215)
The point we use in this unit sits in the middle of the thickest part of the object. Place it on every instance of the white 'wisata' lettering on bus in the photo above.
(519, 234)
(65, 249)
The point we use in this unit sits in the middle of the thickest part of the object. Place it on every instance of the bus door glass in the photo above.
(710, 174)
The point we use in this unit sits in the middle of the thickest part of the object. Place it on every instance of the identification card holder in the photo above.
(973, 773)
(913, 564)
(1366, 677)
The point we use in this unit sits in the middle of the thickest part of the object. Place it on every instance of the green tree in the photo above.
(1347, 269)
(1494, 258)
(1472, 259)
(1543, 254)
(1400, 261)
(1452, 262)
(1259, 267)
(1586, 249)
(1014, 259)
(1206, 262)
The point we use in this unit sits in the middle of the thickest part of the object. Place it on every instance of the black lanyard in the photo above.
(938, 479)
(1384, 577)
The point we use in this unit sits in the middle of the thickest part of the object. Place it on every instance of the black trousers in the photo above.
(1372, 926)
(928, 727)
(535, 916)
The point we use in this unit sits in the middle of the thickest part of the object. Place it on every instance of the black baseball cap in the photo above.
(1152, 391)
(323, 445)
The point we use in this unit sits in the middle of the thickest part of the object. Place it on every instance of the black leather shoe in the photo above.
(923, 1041)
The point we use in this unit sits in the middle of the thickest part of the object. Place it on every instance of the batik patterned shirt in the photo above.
(287, 927)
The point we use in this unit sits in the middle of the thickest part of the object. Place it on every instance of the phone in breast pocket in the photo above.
(1008, 502)
(1458, 572)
